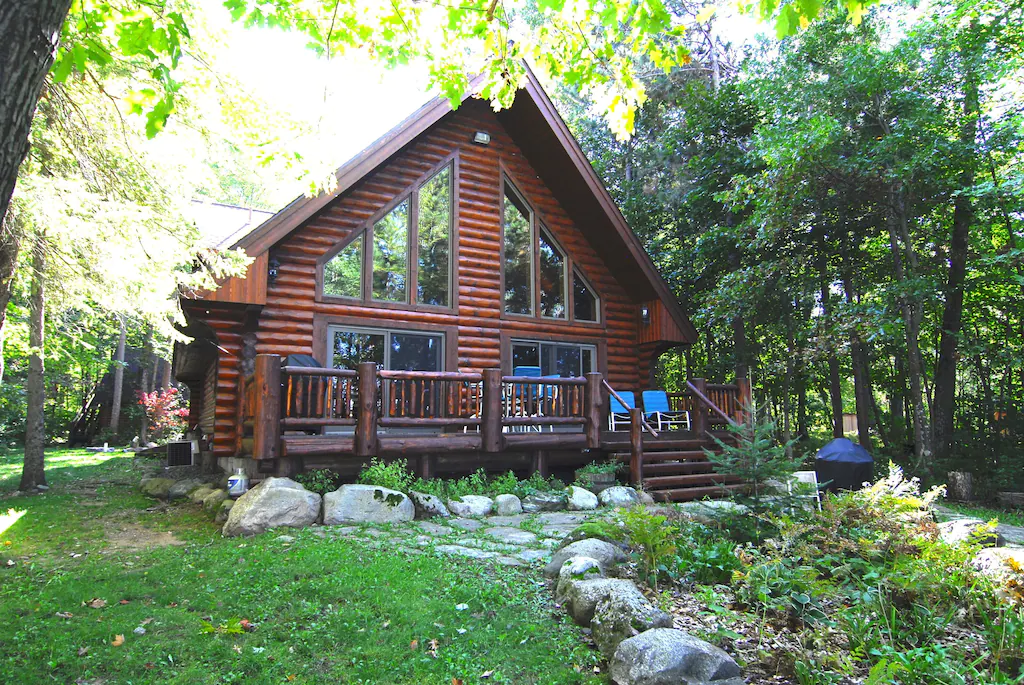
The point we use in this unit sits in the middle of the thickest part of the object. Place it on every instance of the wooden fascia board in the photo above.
(604, 199)
(288, 219)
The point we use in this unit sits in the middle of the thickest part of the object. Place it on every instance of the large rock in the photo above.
(367, 504)
(507, 505)
(213, 501)
(580, 597)
(274, 503)
(580, 499)
(199, 494)
(471, 506)
(999, 562)
(620, 615)
(156, 487)
(184, 488)
(960, 531)
(664, 656)
(544, 501)
(710, 511)
(605, 553)
(619, 496)
(577, 568)
(428, 506)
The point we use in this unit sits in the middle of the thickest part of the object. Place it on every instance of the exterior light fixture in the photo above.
(273, 266)
(645, 315)
(482, 138)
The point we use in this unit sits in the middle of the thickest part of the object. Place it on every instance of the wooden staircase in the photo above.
(679, 471)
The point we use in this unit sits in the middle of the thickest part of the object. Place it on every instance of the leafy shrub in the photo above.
(506, 483)
(599, 467)
(166, 411)
(320, 481)
(707, 560)
(394, 475)
(653, 540)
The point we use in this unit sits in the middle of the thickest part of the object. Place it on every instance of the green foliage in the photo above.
(394, 475)
(653, 539)
(320, 481)
(599, 467)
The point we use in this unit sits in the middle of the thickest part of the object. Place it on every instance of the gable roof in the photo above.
(545, 139)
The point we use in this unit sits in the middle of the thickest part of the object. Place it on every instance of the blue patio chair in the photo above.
(618, 413)
(657, 410)
(528, 404)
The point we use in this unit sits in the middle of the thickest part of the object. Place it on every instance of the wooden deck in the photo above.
(292, 417)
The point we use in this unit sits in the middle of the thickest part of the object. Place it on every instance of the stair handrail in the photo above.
(710, 405)
(643, 422)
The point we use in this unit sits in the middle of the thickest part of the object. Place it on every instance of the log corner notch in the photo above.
(267, 409)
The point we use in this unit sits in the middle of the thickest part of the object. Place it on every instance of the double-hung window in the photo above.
(567, 360)
(404, 255)
(538, 276)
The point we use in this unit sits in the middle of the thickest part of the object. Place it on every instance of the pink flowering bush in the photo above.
(166, 411)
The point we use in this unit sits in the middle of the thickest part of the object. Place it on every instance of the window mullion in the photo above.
(412, 251)
(367, 279)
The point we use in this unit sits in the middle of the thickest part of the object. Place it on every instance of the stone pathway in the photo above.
(1014, 535)
(520, 540)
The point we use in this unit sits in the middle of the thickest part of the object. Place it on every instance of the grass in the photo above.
(323, 610)
(1009, 517)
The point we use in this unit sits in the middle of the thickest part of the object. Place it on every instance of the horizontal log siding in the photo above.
(286, 322)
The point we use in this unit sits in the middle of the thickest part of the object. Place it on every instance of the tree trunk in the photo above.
(859, 361)
(952, 317)
(32, 472)
(835, 387)
(30, 33)
(115, 402)
(10, 246)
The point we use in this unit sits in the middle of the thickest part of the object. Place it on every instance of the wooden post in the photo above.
(636, 447)
(540, 463)
(427, 465)
(366, 420)
(267, 414)
(743, 397)
(592, 410)
(490, 419)
(699, 421)
(240, 415)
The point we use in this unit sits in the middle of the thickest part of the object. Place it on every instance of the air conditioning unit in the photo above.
(180, 453)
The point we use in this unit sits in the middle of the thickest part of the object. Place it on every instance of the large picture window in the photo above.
(392, 350)
(403, 256)
(536, 270)
(567, 360)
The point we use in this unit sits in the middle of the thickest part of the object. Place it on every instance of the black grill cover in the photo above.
(843, 465)
(301, 360)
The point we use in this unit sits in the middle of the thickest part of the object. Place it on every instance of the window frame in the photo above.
(387, 333)
(539, 224)
(410, 194)
(592, 345)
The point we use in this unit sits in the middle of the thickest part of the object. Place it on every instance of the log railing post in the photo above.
(699, 420)
(490, 419)
(743, 398)
(366, 418)
(267, 412)
(636, 447)
(592, 410)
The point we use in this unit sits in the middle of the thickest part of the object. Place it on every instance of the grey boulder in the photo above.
(213, 500)
(580, 499)
(274, 503)
(544, 501)
(184, 488)
(961, 531)
(367, 504)
(621, 614)
(581, 596)
(428, 506)
(507, 505)
(605, 553)
(223, 511)
(199, 494)
(576, 568)
(471, 506)
(619, 496)
(664, 656)
(156, 487)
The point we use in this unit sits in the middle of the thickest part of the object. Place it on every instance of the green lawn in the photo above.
(324, 611)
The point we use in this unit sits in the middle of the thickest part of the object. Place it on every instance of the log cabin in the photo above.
(468, 296)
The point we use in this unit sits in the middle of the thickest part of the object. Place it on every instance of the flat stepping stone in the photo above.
(487, 544)
(344, 531)
(467, 524)
(459, 550)
(509, 561)
(513, 536)
(558, 531)
(511, 521)
(435, 529)
(532, 555)
(561, 518)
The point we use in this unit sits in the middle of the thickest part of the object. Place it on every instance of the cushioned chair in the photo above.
(657, 411)
(804, 485)
(618, 413)
(529, 404)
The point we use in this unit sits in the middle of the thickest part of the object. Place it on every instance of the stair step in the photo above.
(694, 479)
(658, 444)
(651, 456)
(690, 494)
(671, 468)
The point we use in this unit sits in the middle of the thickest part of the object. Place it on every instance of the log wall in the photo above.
(287, 322)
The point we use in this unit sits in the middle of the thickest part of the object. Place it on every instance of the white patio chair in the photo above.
(804, 485)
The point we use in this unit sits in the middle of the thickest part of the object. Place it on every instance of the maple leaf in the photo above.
(118, 640)
(82, 651)
(149, 666)
(414, 645)
(456, 681)
(96, 603)
(64, 614)
(124, 601)
(147, 621)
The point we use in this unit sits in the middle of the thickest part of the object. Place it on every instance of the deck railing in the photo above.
(491, 412)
